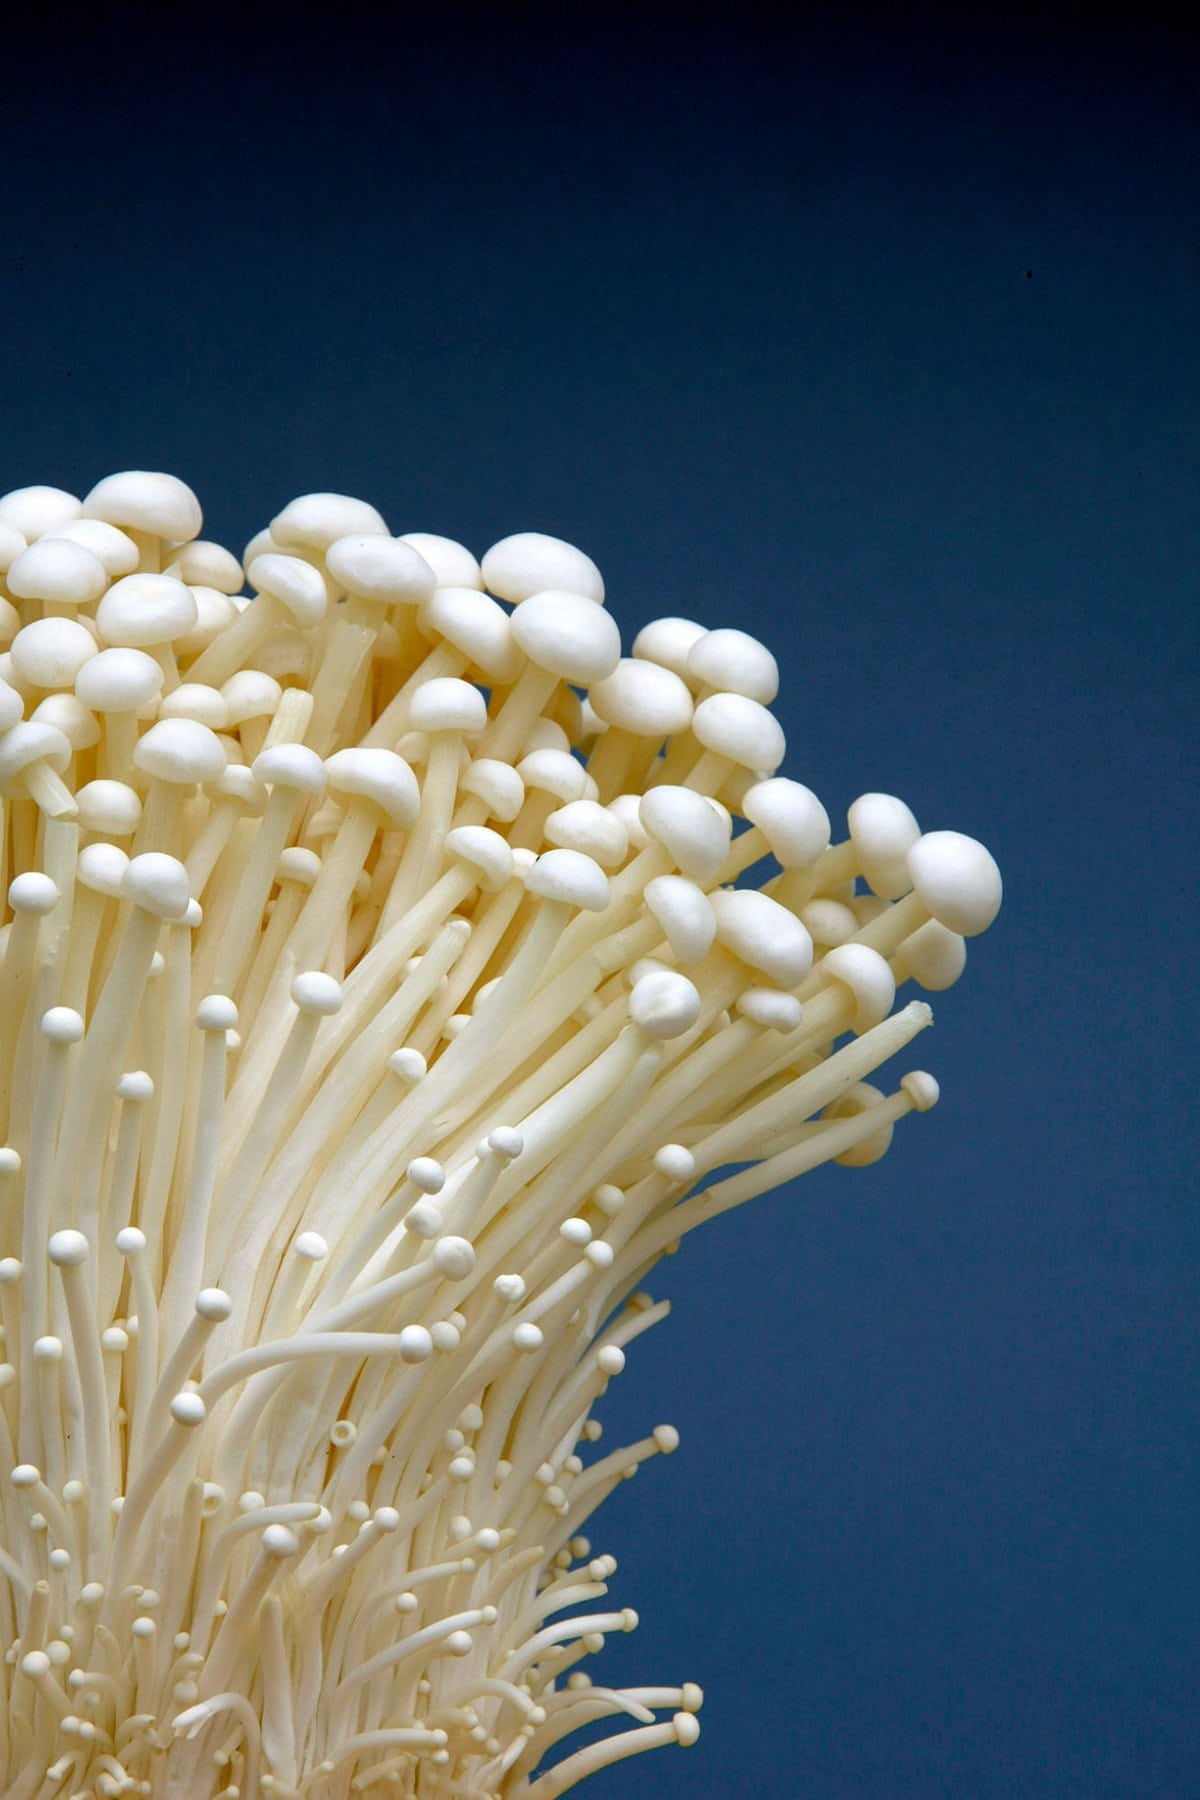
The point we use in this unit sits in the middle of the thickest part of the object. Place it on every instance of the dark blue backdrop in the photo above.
(880, 342)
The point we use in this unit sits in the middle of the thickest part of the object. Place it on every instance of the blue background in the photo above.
(878, 341)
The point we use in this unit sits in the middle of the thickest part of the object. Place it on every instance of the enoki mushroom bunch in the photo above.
(392, 972)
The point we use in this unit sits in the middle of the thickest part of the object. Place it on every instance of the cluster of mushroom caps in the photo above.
(384, 993)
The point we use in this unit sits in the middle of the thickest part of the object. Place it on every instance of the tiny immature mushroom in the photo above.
(391, 972)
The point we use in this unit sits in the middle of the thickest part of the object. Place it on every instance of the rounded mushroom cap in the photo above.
(689, 827)
(554, 772)
(144, 500)
(734, 663)
(70, 716)
(58, 570)
(250, 694)
(379, 776)
(883, 831)
(644, 698)
(32, 892)
(214, 611)
(857, 1099)
(314, 521)
(260, 544)
(664, 1004)
(957, 879)
(485, 850)
(36, 511)
(829, 922)
(740, 729)
(932, 956)
(452, 563)
(146, 609)
(790, 817)
(158, 884)
(27, 742)
(180, 751)
(868, 977)
(195, 700)
(669, 642)
(49, 653)
(117, 553)
(569, 876)
(205, 564)
(497, 784)
(763, 934)
(476, 625)
(118, 680)
(568, 635)
(381, 569)
(447, 704)
(101, 867)
(530, 562)
(109, 806)
(290, 766)
(12, 542)
(587, 826)
(682, 909)
(294, 583)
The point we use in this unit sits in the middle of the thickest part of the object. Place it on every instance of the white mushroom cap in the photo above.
(735, 663)
(118, 680)
(180, 751)
(314, 521)
(497, 784)
(585, 825)
(112, 807)
(530, 562)
(664, 1004)
(682, 909)
(644, 698)
(250, 694)
(290, 766)
(35, 511)
(12, 542)
(545, 734)
(452, 563)
(117, 553)
(829, 922)
(158, 884)
(146, 609)
(261, 544)
(205, 564)
(379, 776)
(770, 1007)
(554, 772)
(160, 505)
(763, 934)
(49, 653)
(286, 653)
(957, 879)
(568, 635)
(569, 876)
(214, 611)
(669, 642)
(741, 729)
(485, 850)
(12, 707)
(294, 583)
(687, 825)
(791, 818)
(196, 700)
(380, 569)
(883, 831)
(25, 743)
(933, 956)
(58, 570)
(477, 626)
(101, 867)
(868, 977)
(856, 1100)
(238, 783)
(447, 704)
(68, 715)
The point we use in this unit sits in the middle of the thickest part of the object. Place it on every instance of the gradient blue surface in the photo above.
(879, 342)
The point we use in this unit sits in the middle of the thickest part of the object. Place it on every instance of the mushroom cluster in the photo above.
(392, 972)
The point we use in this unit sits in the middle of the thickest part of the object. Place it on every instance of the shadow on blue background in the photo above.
(878, 341)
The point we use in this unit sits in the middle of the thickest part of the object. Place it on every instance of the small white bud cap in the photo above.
(740, 729)
(379, 776)
(870, 1149)
(34, 511)
(868, 977)
(291, 766)
(316, 993)
(56, 570)
(67, 1249)
(144, 500)
(763, 934)
(883, 830)
(689, 827)
(529, 562)
(32, 892)
(933, 956)
(568, 635)
(791, 818)
(314, 521)
(118, 680)
(734, 663)
(473, 623)
(158, 884)
(682, 910)
(447, 704)
(62, 1025)
(569, 876)
(497, 784)
(664, 1004)
(101, 867)
(27, 743)
(180, 751)
(381, 569)
(143, 610)
(957, 879)
(643, 698)
(297, 586)
(482, 850)
(204, 564)
(587, 826)
(49, 653)
(452, 563)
